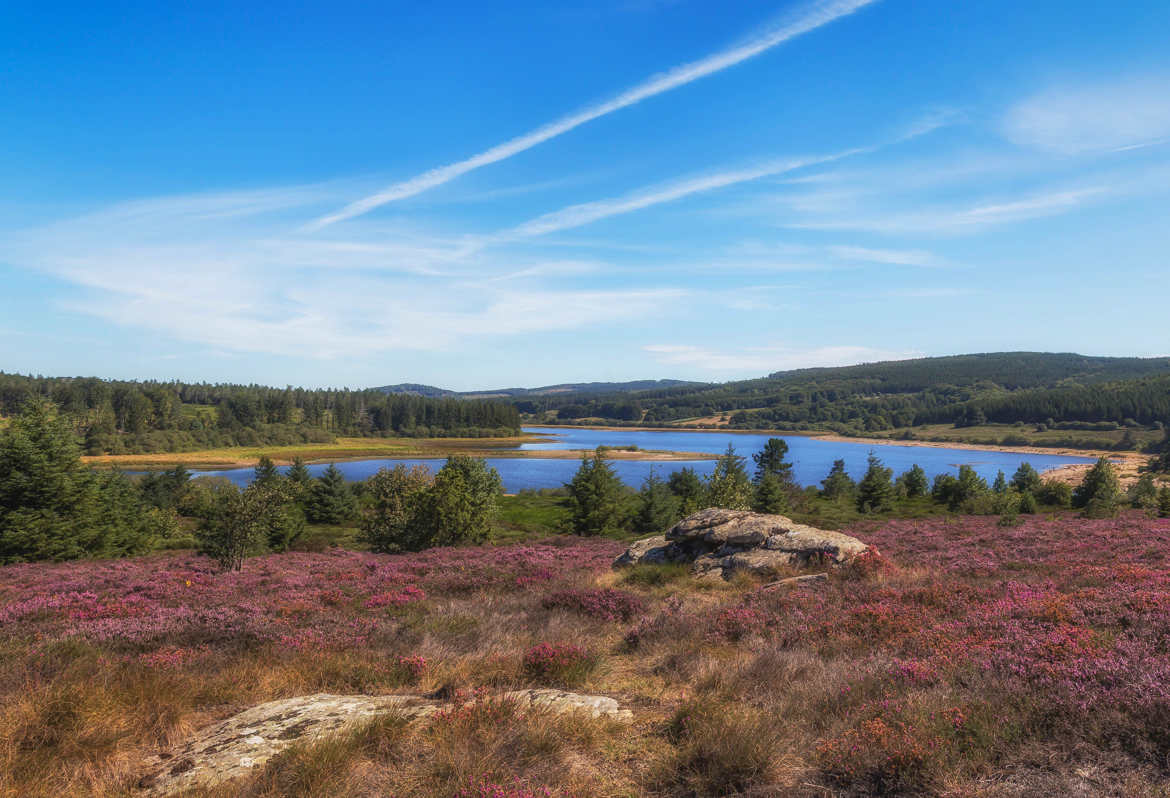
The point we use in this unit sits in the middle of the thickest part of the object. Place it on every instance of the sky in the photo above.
(478, 195)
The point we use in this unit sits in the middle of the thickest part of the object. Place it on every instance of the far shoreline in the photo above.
(1127, 462)
(837, 438)
(439, 449)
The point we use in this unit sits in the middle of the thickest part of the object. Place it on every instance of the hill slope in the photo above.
(547, 390)
(1009, 386)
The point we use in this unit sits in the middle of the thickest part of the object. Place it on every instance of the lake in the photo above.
(811, 457)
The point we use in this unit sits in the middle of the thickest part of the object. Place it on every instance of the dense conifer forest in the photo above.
(129, 417)
(1028, 387)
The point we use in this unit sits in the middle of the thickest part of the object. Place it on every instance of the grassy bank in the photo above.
(369, 448)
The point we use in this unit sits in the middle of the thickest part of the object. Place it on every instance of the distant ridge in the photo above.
(431, 391)
(417, 389)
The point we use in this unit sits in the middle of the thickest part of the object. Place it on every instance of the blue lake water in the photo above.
(811, 457)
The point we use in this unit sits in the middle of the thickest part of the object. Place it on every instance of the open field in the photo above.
(971, 660)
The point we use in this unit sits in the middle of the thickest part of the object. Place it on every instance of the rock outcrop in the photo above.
(719, 542)
(232, 748)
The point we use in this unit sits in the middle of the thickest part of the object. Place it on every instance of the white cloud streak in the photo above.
(222, 271)
(820, 14)
(962, 220)
(588, 212)
(893, 257)
(1116, 116)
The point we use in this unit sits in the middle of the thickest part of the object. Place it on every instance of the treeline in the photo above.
(600, 504)
(118, 417)
(52, 507)
(965, 390)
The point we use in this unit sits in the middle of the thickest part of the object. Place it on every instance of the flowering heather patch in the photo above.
(606, 604)
(558, 663)
(395, 598)
(301, 601)
(968, 659)
(736, 623)
(409, 670)
(672, 622)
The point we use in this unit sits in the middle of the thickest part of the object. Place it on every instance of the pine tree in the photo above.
(265, 472)
(875, 492)
(596, 497)
(770, 460)
(1143, 494)
(298, 473)
(772, 495)
(1028, 504)
(913, 483)
(330, 500)
(464, 500)
(658, 507)
(1164, 503)
(1026, 480)
(688, 489)
(1098, 493)
(729, 486)
(1000, 486)
(838, 483)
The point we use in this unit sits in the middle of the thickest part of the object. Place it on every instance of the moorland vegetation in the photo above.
(1005, 639)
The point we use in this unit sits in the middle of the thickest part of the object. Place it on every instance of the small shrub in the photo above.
(736, 623)
(563, 663)
(720, 749)
(647, 575)
(408, 670)
(606, 604)
(672, 623)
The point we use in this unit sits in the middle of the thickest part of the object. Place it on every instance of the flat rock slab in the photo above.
(719, 542)
(232, 748)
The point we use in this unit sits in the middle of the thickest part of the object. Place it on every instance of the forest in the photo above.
(124, 417)
(967, 390)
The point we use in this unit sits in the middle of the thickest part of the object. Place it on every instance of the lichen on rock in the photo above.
(719, 542)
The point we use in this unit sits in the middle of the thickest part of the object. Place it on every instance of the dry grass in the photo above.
(946, 673)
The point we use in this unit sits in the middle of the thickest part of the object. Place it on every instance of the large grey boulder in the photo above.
(651, 551)
(719, 542)
(234, 747)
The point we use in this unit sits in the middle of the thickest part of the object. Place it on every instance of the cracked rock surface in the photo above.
(719, 542)
(233, 747)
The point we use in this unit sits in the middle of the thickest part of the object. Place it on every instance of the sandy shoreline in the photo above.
(211, 463)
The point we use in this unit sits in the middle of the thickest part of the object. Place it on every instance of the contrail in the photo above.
(585, 213)
(821, 13)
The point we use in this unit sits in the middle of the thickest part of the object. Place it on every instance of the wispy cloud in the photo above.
(765, 359)
(893, 257)
(588, 212)
(951, 220)
(819, 14)
(224, 271)
(1112, 116)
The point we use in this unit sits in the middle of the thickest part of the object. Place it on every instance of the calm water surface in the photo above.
(811, 457)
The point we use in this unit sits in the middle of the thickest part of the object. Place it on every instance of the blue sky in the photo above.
(482, 195)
